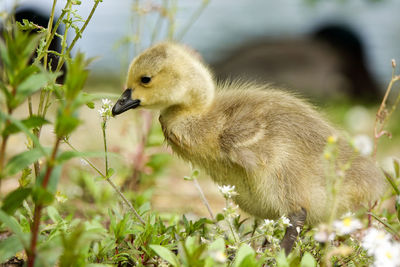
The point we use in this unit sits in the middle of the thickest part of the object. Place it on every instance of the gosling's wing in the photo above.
(263, 127)
(243, 133)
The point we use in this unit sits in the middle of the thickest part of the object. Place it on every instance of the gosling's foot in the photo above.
(297, 220)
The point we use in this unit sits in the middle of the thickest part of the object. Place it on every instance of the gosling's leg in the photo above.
(297, 220)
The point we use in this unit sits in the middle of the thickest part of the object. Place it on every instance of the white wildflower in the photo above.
(218, 256)
(387, 255)
(231, 211)
(105, 110)
(346, 225)
(285, 221)
(228, 191)
(379, 245)
(374, 239)
(363, 144)
(106, 102)
(204, 240)
(323, 235)
(267, 223)
(268, 226)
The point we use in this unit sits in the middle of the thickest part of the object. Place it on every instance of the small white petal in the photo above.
(363, 144)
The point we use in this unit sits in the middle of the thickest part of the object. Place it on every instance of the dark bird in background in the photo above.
(41, 19)
(328, 63)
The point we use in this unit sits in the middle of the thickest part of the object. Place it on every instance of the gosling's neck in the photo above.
(197, 103)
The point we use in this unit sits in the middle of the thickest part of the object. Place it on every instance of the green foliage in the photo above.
(14, 199)
(82, 222)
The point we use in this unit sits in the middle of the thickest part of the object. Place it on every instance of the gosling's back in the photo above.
(269, 144)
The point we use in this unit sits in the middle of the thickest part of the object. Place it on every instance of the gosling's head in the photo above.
(164, 76)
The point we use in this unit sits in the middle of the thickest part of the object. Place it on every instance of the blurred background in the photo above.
(335, 53)
(319, 47)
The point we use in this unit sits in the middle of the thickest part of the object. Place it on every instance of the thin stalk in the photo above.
(53, 32)
(193, 19)
(116, 189)
(103, 127)
(138, 28)
(64, 41)
(3, 152)
(2, 156)
(39, 206)
(203, 198)
(228, 220)
(4, 145)
(381, 119)
(171, 19)
(30, 109)
(49, 26)
(157, 26)
(96, 3)
(388, 226)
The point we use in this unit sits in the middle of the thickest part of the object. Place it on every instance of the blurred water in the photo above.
(226, 24)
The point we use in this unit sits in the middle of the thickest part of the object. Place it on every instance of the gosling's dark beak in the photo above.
(125, 102)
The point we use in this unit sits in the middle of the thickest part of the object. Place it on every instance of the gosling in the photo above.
(268, 143)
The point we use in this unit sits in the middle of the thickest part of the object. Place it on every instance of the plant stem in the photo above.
(228, 220)
(96, 3)
(53, 32)
(203, 198)
(39, 206)
(49, 26)
(193, 19)
(116, 189)
(4, 145)
(2, 156)
(103, 127)
(381, 118)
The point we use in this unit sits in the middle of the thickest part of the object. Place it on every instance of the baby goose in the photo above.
(265, 142)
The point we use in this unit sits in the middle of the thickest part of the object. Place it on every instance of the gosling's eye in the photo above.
(145, 79)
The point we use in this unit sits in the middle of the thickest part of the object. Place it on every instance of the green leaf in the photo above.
(397, 206)
(217, 245)
(29, 123)
(396, 168)
(9, 247)
(244, 251)
(187, 178)
(166, 254)
(30, 85)
(13, 225)
(90, 105)
(110, 172)
(42, 196)
(66, 124)
(391, 182)
(76, 76)
(195, 173)
(219, 217)
(53, 180)
(14, 199)
(282, 260)
(22, 127)
(22, 160)
(53, 214)
(25, 73)
(308, 260)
